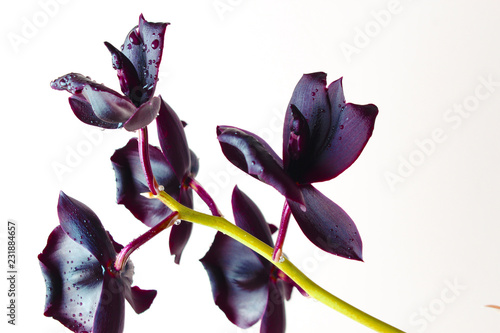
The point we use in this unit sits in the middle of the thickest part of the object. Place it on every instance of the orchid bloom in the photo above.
(322, 136)
(137, 66)
(173, 166)
(245, 286)
(85, 291)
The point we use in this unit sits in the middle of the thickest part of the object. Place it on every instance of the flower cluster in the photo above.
(89, 276)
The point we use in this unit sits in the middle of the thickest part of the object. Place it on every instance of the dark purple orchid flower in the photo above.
(137, 66)
(84, 290)
(245, 286)
(322, 136)
(173, 166)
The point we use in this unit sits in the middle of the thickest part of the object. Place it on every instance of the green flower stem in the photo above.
(311, 288)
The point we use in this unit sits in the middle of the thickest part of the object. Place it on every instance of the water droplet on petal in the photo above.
(177, 222)
(155, 44)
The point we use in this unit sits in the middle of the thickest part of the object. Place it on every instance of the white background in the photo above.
(236, 62)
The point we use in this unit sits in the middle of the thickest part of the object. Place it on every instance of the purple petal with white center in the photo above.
(248, 152)
(352, 127)
(144, 115)
(239, 280)
(74, 281)
(327, 225)
(130, 182)
(173, 140)
(83, 226)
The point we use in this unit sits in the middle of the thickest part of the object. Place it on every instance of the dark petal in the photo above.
(239, 280)
(327, 225)
(248, 152)
(106, 104)
(248, 217)
(143, 46)
(73, 278)
(83, 226)
(173, 140)
(180, 233)
(144, 115)
(84, 112)
(195, 164)
(140, 299)
(274, 320)
(352, 126)
(130, 182)
(311, 99)
(298, 157)
(110, 313)
(130, 84)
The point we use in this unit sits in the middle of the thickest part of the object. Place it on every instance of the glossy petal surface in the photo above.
(143, 46)
(130, 84)
(73, 278)
(173, 140)
(248, 217)
(130, 182)
(106, 104)
(247, 151)
(110, 313)
(239, 280)
(180, 233)
(84, 112)
(327, 225)
(274, 319)
(83, 226)
(311, 99)
(352, 127)
(144, 115)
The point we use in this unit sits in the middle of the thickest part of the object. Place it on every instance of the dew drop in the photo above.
(155, 44)
(177, 222)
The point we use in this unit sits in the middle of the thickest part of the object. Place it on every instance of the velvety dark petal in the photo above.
(173, 140)
(144, 115)
(195, 164)
(74, 279)
(246, 151)
(140, 299)
(299, 156)
(84, 112)
(143, 46)
(248, 217)
(130, 84)
(110, 313)
(180, 233)
(274, 320)
(83, 226)
(352, 126)
(311, 99)
(239, 280)
(106, 104)
(327, 225)
(130, 182)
